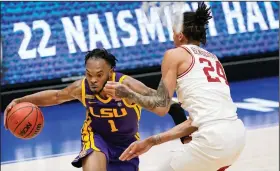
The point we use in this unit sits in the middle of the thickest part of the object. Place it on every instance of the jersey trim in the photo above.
(138, 111)
(88, 135)
(84, 92)
(137, 136)
(127, 104)
(122, 78)
(192, 64)
(136, 107)
(103, 100)
(114, 77)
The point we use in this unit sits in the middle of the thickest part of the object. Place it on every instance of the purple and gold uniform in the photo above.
(110, 127)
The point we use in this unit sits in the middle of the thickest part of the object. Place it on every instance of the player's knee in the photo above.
(96, 161)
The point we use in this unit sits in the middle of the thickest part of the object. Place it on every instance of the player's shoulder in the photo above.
(178, 51)
(175, 50)
(118, 73)
(119, 77)
(128, 80)
(176, 55)
(74, 89)
(125, 79)
(77, 85)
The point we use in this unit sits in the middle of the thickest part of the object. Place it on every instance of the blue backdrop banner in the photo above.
(48, 40)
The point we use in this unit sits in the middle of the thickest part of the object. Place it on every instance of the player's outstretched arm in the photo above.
(139, 147)
(49, 97)
(53, 97)
(176, 111)
(138, 87)
(158, 102)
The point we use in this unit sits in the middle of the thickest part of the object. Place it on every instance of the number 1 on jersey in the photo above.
(113, 126)
(219, 70)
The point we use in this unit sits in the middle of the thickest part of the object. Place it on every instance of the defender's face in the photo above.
(98, 72)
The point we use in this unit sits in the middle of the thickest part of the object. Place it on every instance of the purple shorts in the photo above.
(112, 152)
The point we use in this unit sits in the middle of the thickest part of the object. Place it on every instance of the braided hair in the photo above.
(194, 23)
(103, 54)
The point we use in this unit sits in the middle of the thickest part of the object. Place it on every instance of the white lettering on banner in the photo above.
(96, 32)
(168, 22)
(234, 14)
(112, 29)
(254, 15)
(74, 33)
(23, 52)
(42, 49)
(133, 37)
(195, 5)
(151, 28)
(257, 104)
(273, 23)
(152, 25)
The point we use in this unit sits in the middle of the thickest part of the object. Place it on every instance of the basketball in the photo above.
(25, 120)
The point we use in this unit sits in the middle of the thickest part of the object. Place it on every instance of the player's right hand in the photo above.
(7, 110)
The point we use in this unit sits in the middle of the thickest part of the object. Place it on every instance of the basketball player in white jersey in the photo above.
(216, 135)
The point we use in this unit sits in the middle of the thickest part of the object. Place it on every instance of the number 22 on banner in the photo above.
(43, 50)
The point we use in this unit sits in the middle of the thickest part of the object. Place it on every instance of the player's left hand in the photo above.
(136, 149)
(116, 90)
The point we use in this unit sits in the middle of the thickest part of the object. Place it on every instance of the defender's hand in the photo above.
(136, 149)
(7, 110)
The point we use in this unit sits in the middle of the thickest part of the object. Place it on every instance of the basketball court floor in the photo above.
(59, 142)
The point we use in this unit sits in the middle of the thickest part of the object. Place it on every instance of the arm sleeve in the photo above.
(178, 115)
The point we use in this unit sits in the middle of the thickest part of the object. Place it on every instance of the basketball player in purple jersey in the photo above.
(110, 125)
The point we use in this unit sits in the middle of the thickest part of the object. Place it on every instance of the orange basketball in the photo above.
(25, 120)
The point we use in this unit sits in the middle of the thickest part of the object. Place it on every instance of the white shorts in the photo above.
(212, 147)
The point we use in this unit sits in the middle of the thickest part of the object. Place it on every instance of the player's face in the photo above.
(98, 72)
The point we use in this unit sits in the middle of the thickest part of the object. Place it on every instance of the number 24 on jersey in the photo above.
(216, 68)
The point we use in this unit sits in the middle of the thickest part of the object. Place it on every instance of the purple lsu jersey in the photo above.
(116, 121)
(110, 127)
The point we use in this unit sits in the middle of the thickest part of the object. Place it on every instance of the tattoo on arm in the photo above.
(149, 92)
(160, 98)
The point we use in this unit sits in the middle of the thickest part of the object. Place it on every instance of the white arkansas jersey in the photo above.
(203, 89)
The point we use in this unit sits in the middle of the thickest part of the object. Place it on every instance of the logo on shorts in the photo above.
(83, 154)
(119, 104)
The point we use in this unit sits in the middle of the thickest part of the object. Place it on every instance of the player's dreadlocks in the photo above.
(194, 25)
(103, 54)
